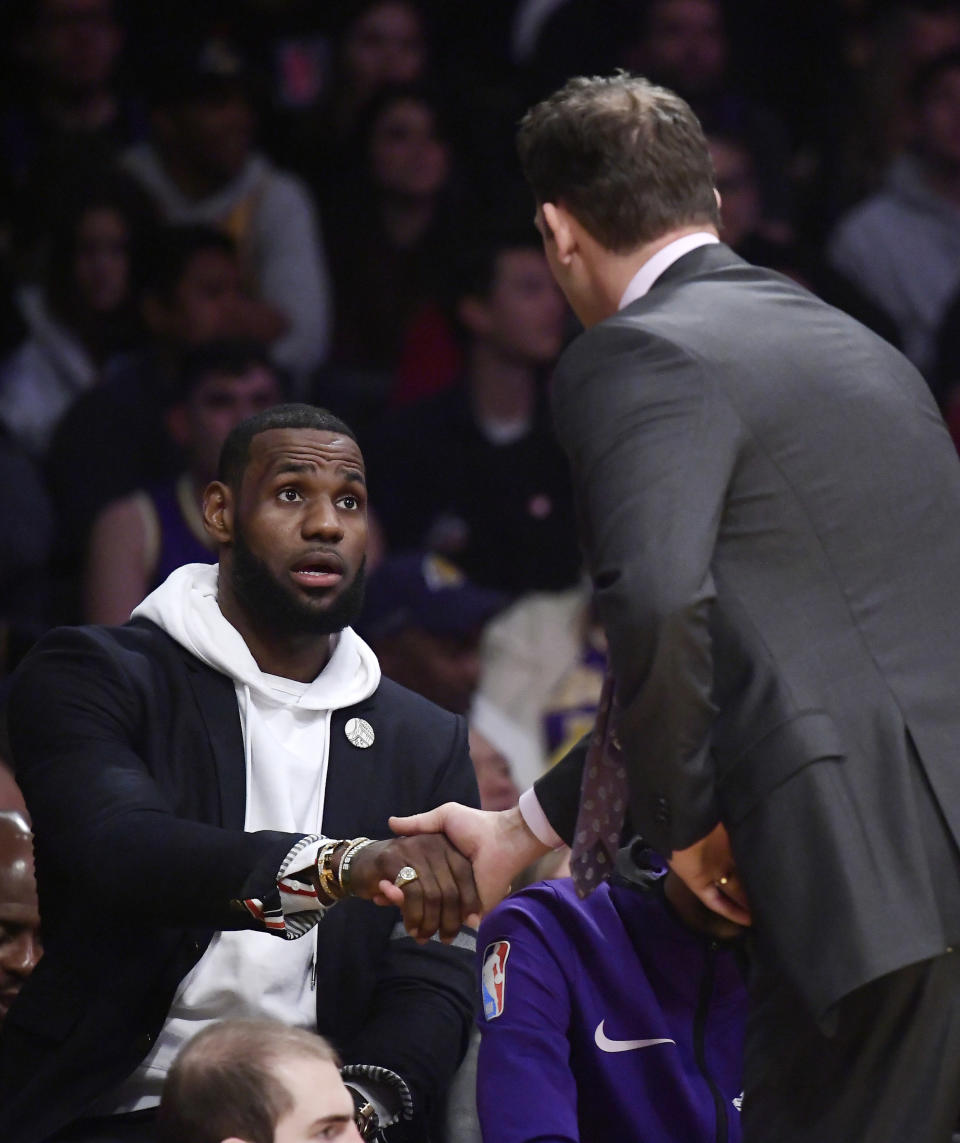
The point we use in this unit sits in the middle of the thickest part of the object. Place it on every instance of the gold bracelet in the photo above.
(343, 873)
(328, 878)
(327, 885)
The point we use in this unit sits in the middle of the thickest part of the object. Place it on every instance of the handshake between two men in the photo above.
(451, 865)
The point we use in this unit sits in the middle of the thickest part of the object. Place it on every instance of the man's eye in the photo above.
(352, 503)
(289, 495)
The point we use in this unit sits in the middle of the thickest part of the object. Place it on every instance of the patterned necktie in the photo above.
(603, 801)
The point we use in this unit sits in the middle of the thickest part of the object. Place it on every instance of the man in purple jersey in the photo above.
(618, 1017)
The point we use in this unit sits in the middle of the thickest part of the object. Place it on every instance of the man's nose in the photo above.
(20, 956)
(322, 520)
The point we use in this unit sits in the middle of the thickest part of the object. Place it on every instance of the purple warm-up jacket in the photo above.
(606, 1019)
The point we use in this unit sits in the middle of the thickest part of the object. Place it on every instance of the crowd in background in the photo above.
(209, 208)
(329, 194)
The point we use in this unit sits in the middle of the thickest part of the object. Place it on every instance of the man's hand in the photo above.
(442, 897)
(497, 844)
(707, 868)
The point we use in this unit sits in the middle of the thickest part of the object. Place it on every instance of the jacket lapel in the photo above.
(352, 776)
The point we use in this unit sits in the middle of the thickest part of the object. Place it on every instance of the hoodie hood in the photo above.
(185, 607)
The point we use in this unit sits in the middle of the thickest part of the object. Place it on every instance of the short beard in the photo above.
(270, 604)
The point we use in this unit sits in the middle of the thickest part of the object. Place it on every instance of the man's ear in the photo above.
(558, 222)
(716, 195)
(218, 510)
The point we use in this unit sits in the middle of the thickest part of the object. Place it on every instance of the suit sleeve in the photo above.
(558, 791)
(106, 834)
(526, 1089)
(423, 997)
(653, 445)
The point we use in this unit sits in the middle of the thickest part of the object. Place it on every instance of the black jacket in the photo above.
(130, 755)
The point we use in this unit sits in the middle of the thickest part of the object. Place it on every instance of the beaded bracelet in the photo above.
(346, 861)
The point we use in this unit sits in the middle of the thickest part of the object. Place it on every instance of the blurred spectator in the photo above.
(475, 472)
(550, 40)
(684, 45)
(542, 670)
(389, 235)
(115, 435)
(83, 314)
(382, 43)
(902, 245)
(424, 618)
(68, 108)
(20, 944)
(743, 230)
(888, 46)
(736, 182)
(376, 44)
(256, 1081)
(566, 987)
(202, 167)
(498, 790)
(136, 542)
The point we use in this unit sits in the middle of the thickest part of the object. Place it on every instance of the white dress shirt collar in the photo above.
(648, 273)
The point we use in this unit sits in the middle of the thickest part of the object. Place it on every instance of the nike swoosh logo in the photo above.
(606, 1045)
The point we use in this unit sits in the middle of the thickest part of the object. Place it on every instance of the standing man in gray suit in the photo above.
(769, 506)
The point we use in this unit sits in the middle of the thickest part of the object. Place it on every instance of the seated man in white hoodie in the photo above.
(203, 782)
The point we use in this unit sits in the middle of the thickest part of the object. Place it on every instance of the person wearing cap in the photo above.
(424, 618)
(201, 166)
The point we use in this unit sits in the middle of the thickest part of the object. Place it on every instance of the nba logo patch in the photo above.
(493, 978)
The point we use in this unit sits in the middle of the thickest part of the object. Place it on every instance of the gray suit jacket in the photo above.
(770, 510)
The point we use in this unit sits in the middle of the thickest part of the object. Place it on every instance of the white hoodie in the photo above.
(286, 736)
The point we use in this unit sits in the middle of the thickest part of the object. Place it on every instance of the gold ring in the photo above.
(723, 881)
(405, 876)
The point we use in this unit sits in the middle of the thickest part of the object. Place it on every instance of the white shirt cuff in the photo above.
(300, 908)
(532, 813)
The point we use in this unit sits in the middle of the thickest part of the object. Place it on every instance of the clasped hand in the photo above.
(460, 876)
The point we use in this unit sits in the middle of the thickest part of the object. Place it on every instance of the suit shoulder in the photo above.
(629, 339)
(136, 650)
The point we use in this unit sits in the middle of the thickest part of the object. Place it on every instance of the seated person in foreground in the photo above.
(20, 942)
(619, 1017)
(256, 1081)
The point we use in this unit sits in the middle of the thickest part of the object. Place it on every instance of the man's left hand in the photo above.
(708, 869)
